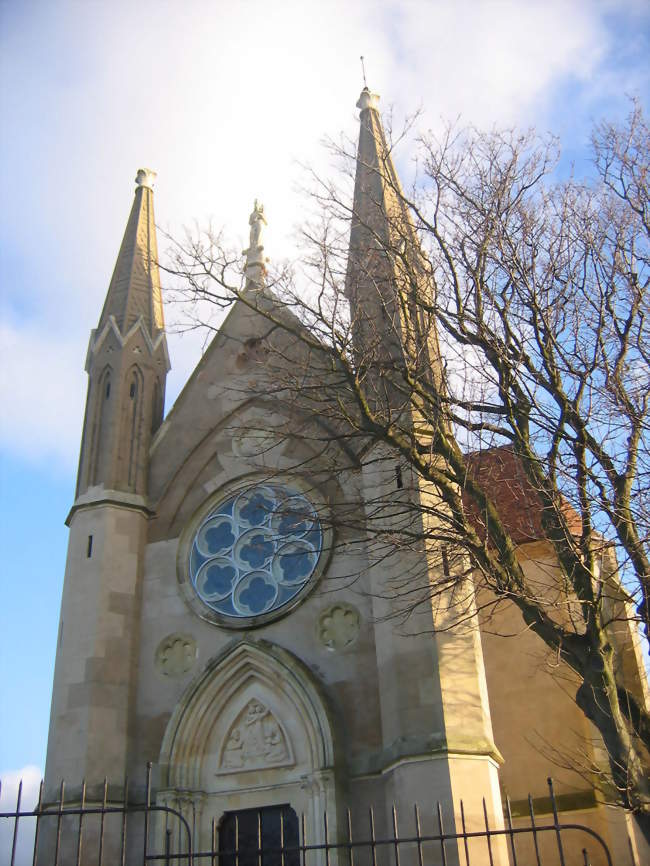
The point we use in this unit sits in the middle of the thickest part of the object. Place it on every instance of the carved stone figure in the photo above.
(255, 261)
(232, 755)
(255, 740)
(256, 221)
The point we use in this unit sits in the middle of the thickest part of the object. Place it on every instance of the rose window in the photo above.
(255, 551)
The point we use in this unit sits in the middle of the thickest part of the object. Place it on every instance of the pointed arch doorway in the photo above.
(251, 737)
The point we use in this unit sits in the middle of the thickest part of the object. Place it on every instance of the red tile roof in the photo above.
(501, 474)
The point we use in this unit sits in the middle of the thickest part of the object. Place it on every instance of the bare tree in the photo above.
(492, 307)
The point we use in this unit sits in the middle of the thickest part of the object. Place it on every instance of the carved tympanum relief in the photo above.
(175, 655)
(254, 741)
(338, 626)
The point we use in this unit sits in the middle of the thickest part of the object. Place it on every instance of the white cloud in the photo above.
(42, 390)
(31, 777)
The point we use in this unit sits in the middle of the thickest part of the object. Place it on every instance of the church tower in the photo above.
(127, 364)
(435, 716)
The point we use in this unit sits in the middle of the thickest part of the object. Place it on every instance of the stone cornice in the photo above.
(96, 496)
(424, 748)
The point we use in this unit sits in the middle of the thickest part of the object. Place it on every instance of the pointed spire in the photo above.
(378, 204)
(380, 222)
(385, 261)
(134, 290)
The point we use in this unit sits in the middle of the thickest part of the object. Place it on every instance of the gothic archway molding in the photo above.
(255, 712)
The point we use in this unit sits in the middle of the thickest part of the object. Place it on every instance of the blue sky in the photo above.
(224, 100)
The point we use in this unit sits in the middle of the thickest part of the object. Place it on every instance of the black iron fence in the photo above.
(112, 830)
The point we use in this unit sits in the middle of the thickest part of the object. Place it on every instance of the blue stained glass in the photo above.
(219, 537)
(293, 523)
(296, 564)
(257, 595)
(257, 509)
(218, 579)
(257, 551)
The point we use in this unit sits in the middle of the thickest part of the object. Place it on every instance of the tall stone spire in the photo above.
(386, 279)
(127, 361)
(134, 290)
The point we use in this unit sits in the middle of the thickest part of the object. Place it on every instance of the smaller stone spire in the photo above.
(255, 268)
(134, 291)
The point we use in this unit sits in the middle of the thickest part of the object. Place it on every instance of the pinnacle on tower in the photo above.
(134, 290)
(127, 361)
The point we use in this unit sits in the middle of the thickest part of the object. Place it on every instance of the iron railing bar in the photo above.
(462, 821)
(395, 835)
(58, 823)
(470, 834)
(304, 839)
(442, 834)
(418, 833)
(511, 834)
(14, 842)
(372, 836)
(100, 856)
(350, 842)
(282, 835)
(168, 842)
(60, 811)
(38, 819)
(327, 839)
(555, 820)
(125, 800)
(534, 829)
(487, 832)
(147, 805)
(214, 842)
(81, 818)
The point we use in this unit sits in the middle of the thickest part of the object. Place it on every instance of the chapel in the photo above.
(222, 621)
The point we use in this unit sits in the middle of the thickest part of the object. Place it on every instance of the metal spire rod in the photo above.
(363, 70)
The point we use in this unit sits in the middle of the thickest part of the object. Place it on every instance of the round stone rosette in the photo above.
(255, 552)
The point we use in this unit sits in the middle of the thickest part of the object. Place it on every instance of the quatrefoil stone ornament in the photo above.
(338, 626)
(175, 655)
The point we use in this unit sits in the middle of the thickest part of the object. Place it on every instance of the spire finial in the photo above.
(255, 267)
(145, 177)
(363, 71)
(368, 100)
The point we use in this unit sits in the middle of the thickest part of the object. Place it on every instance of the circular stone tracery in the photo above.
(255, 551)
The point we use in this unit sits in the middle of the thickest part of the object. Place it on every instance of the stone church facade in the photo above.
(208, 624)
